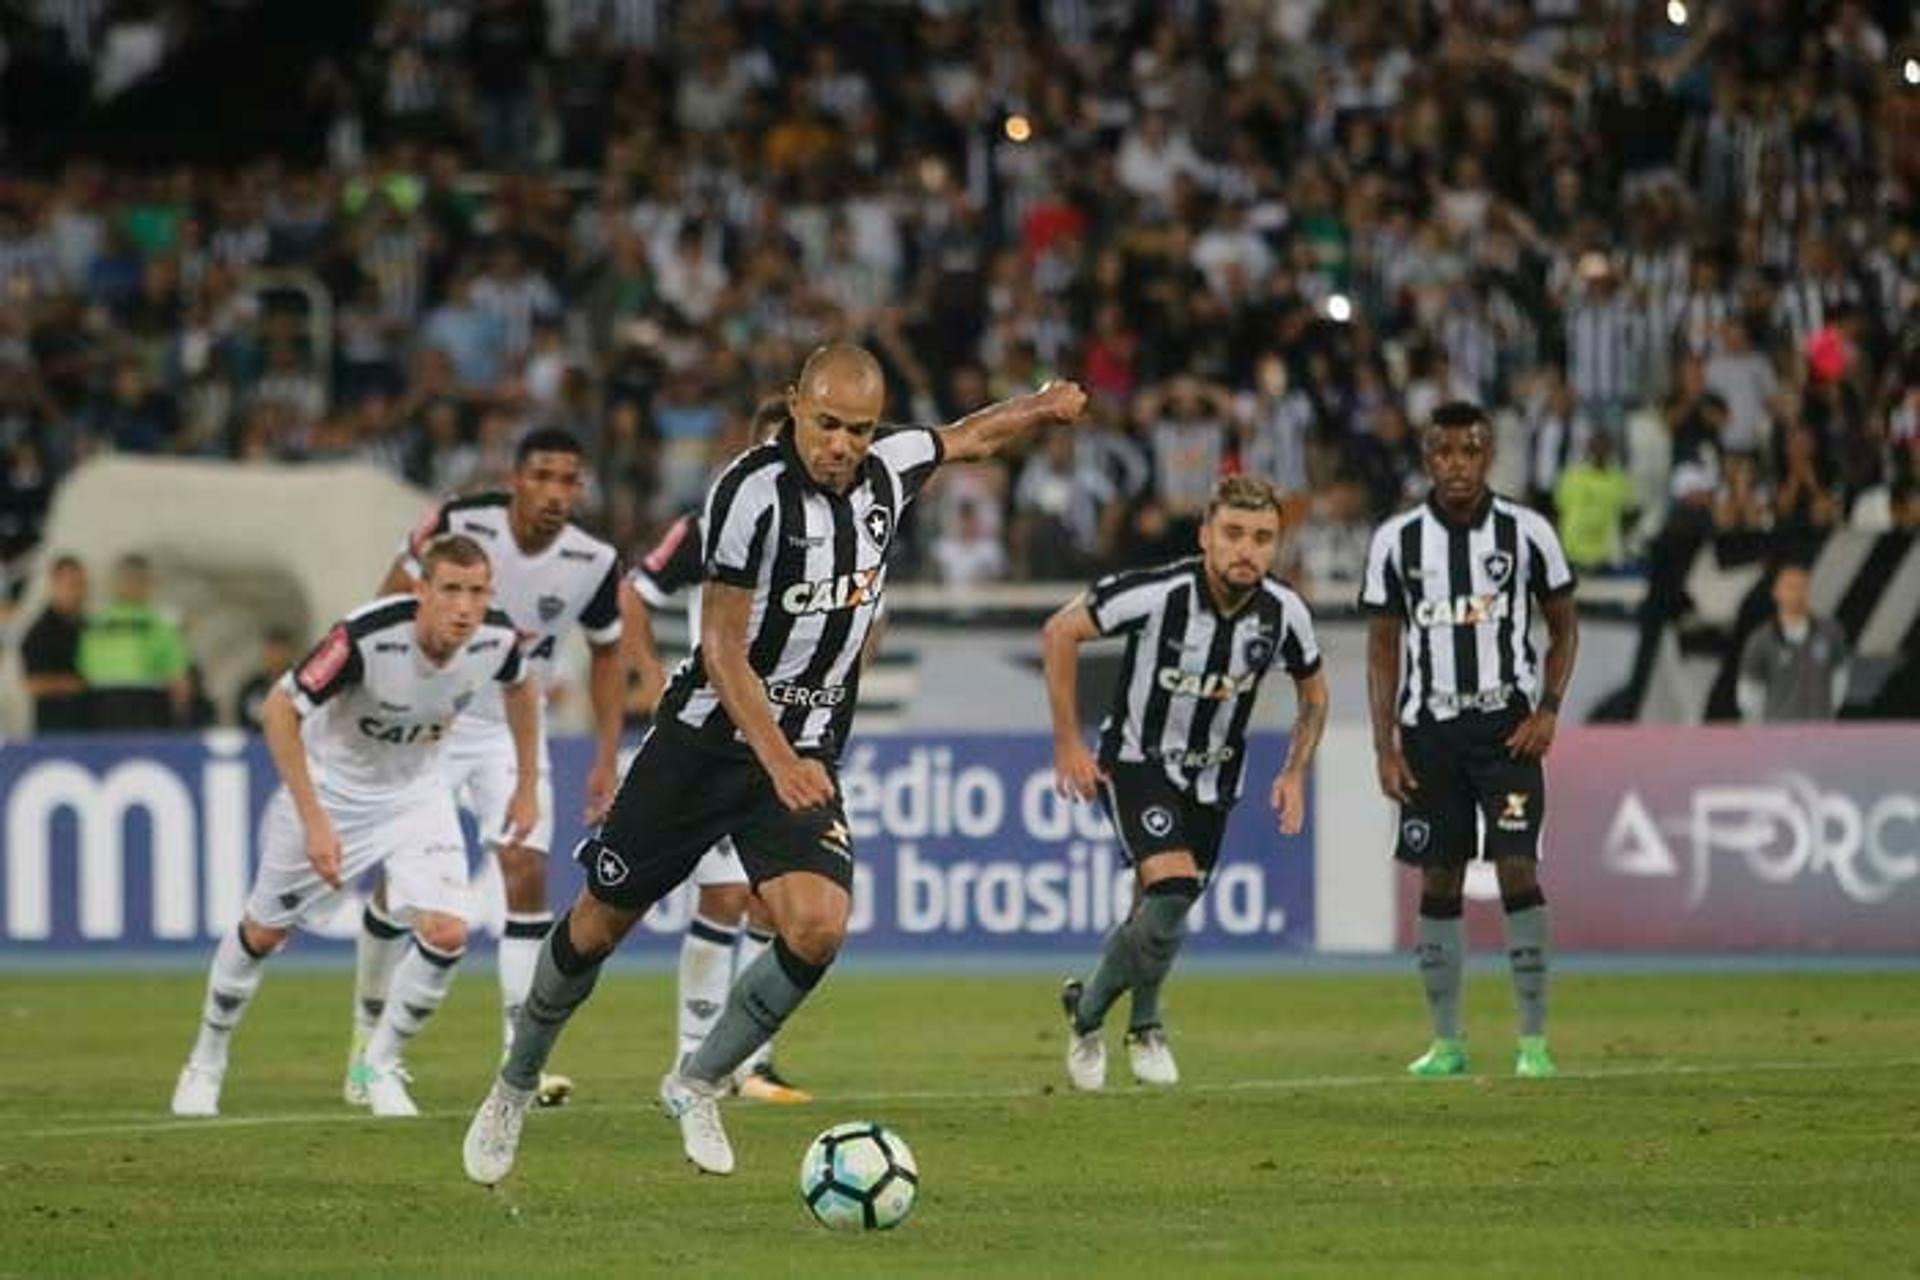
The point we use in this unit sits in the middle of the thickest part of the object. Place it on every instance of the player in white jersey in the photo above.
(549, 575)
(355, 731)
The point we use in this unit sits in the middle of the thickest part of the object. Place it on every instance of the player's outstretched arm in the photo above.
(725, 612)
(1383, 698)
(1309, 724)
(1076, 772)
(280, 726)
(985, 432)
(522, 702)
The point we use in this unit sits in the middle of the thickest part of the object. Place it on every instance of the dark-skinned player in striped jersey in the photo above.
(1202, 632)
(1464, 713)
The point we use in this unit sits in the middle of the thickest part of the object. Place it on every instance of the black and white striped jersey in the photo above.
(817, 564)
(375, 708)
(573, 579)
(1191, 674)
(1465, 593)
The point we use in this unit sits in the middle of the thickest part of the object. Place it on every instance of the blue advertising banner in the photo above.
(961, 841)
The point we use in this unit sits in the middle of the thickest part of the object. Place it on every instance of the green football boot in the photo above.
(1444, 1057)
(1531, 1061)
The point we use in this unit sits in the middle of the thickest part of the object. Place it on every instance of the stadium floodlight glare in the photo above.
(1019, 128)
(1676, 13)
(1911, 72)
(1339, 308)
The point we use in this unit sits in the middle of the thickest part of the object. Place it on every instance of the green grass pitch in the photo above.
(1705, 1124)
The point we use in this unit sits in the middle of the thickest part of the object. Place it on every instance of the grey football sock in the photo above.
(562, 980)
(1443, 947)
(1161, 926)
(1113, 975)
(763, 997)
(1527, 955)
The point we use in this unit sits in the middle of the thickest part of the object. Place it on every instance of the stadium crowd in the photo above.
(1673, 246)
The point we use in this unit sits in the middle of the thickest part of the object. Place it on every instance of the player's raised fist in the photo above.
(1063, 399)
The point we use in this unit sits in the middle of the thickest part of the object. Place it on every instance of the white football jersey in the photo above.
(374, 706)
(575, 578)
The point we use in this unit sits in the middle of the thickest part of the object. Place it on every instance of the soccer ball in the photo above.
(859, 1176)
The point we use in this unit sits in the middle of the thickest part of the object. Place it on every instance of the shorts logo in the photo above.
(1416, 835)
(549, 607)
(1259, 651)
(878, 523)
(1513, 815)
(460, 701)
(609, 868)
(702, 1009)
(1157, 821)
(1499, 566)
(838, 841)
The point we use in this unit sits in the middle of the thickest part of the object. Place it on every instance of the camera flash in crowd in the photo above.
(1019, 128)
(1676, 13)
(1911, 71)
(1339, 308)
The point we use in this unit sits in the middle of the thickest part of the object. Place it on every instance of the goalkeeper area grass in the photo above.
(1749, 1124)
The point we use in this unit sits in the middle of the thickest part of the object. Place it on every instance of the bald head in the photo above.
(835, 405)
(840, 369)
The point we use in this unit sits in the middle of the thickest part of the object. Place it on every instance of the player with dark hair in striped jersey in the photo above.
(1463, 714)
(797, 536)
(1202, 633)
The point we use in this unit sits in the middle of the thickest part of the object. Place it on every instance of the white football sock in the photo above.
(519, 953)
(420, 983)
(377, 948)
(706, 971)
(231, 983)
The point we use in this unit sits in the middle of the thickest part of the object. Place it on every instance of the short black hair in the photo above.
(1460, 413)
(546, 440)
(65, 561)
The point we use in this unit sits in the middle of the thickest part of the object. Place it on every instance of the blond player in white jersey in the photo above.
(549, 576)
(355, 731)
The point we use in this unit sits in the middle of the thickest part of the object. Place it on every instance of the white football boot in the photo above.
(696, 1105)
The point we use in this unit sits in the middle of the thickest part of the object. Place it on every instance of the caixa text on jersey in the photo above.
(828, 595)
(1464, 611)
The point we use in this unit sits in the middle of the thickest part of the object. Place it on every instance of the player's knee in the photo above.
(1519, 884)
(595, 928)
(815, 937)
(262, 940)
(523, 873)
(1443, 882)
(442, 933)
(723, 903)
(1176, 864)
(758, 915)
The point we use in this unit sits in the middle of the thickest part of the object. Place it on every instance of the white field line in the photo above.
(966, 1097)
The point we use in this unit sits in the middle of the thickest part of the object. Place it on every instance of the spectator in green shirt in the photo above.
(133, 657)
(1594, 497)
